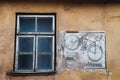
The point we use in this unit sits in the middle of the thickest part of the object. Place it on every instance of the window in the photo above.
(35, 43)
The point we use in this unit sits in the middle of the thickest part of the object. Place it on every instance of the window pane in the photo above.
(25, 44)
(44, 58)
(44, 61)
(27, 24)
(25, 62)
(45, 44)
(44, 24)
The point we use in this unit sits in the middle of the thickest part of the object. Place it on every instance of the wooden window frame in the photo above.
(35, 35)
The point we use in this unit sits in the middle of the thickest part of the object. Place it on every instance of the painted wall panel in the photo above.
(82, 50)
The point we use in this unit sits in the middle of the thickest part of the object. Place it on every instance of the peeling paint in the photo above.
(81, 50)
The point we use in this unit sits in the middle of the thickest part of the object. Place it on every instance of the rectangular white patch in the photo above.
(82, 50)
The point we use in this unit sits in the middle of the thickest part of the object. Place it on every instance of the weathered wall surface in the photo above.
(69, 17)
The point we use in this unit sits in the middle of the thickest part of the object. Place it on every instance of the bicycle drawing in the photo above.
(83, 49)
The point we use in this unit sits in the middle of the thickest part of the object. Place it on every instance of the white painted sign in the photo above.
(82, 50)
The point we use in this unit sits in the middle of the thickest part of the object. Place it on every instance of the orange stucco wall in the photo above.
(70, 16)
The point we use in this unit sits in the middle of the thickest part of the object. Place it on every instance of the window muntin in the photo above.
(30, 32)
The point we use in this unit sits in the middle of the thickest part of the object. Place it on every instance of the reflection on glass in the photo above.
(25, 62)
(45, 44)
(25, 44)
(27, 24)
(44, 24)
(44, 61)
(44, 58)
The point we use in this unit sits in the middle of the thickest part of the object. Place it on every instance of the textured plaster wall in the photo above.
(69, 17)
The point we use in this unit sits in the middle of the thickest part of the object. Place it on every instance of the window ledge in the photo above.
(14, 73)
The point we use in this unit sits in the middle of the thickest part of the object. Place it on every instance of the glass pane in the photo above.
(44, 58)
(25, 62)
(25, 44)
(44, 61)
(45, 44)
(27, 24)
(44, 24)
